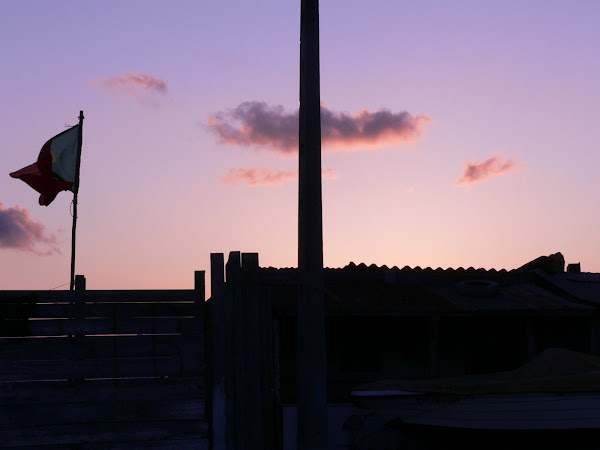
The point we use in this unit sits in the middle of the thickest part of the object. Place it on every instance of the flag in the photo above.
(55, 168)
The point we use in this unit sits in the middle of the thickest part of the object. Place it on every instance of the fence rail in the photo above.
(103, 368)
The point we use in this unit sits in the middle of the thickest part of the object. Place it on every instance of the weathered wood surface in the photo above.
(171, 444)
(242, 393)
(103, 296)
(157, 367)
(103, 369)
(85, 347)
(23, 310)
(102, 326)
(104, 432)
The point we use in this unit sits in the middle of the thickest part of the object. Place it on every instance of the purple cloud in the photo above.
(19, 232)
(265, 176)
(494, 166)
(131, 83)
(260, 125)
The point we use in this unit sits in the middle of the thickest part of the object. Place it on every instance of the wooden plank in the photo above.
(160, 366)
(190, 326)
(191, 443)
(236, 359)
(11, 311)
(100, 391)
(86, 347)
(171, 444)
(200, 284)
(102, 296)
(104, 432)
(256, 384)
(110, 410)
(217, 351)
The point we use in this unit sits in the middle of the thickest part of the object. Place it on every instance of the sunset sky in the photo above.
(455, 134)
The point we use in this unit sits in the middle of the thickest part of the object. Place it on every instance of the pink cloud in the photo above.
(265, 176)
(19, 232)
(494, 166)
(260, 125)
(133, 83)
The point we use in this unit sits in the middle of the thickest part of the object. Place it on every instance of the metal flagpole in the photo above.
(75, 192)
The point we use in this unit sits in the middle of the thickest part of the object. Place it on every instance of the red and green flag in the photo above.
(56, 166)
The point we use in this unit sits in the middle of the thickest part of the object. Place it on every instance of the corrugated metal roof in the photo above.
(583, 286)
(362, 289)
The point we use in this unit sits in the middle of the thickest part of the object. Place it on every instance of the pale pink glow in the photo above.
(494, 166)
(493, 76)
(132, 82)
(257, 124)
(19, 232)
(258, 176)
(265, 176)
(329, 174)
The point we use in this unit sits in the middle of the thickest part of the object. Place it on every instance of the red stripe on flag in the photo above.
(40, 177)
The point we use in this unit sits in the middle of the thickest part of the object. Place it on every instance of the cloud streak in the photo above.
(258, 124)
(494, 166)
(19, 232)
(265, 176)
(134, 83)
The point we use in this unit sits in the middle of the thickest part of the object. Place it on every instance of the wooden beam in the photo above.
(434, 330)
(200, 284)
(79, 283)
(218, 350)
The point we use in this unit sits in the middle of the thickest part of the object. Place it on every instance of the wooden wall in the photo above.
(103, 369)
(242, 392)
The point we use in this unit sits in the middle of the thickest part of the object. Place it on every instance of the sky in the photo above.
(454, 134)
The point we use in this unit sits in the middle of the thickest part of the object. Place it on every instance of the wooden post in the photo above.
(266, 326)
(311, 360)
(236, 363)
(529, 330)
(594, 321)
(218, 328)
(79, 283)
(199, 284)
(252, 354)
(434, 327)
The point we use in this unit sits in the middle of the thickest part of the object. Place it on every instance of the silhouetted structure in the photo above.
(412, 323)
(104, 369)
(311, 362)
(127, 368)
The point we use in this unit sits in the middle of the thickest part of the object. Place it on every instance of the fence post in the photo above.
(268, 392)
(79, 283)
(252, 353)
(200, 284)
(217, 329)
(236, 364)
(243, 389)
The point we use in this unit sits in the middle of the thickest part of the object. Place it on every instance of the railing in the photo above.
(102, 368)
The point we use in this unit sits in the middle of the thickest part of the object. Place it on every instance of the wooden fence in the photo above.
(103, 369)
(242, 391)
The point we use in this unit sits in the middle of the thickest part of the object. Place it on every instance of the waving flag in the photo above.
(55, 168)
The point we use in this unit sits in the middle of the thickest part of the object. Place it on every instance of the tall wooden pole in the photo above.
(311, 359)
(75, 192)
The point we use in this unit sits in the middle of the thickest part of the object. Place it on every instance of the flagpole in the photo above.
(75, 192)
